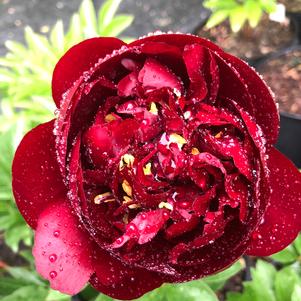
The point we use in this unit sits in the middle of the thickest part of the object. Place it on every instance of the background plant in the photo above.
(238, 12)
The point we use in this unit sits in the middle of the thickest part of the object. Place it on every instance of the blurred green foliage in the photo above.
(238, 12)
(25, 89)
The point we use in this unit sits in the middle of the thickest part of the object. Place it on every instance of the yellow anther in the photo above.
(134, 206)
(153, 109)
(127, 199)
(126, 159)
(102, 197)
(195, 151)
(147, 169)
(109, 201)
(110, 118)
(178, 139)
(127, 188)
(125, 218)
(219, 135)
(166, 205)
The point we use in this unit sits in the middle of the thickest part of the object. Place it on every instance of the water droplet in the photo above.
(52, 274)
(52, 257)
(56, 233)
(119, 240)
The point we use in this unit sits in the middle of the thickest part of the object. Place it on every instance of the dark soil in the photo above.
(291, 5)
(251, 43)
(283, 75)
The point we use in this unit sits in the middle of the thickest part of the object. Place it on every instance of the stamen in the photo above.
(127, 188)
(177, 92)
(147, 169)
(126, 159)
(153, 109)
(219, 135)
(166, 205)
(110, 118)
(178, 139)
(195, 151)
(103, 197)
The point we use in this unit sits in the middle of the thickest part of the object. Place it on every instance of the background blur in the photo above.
(34, 34)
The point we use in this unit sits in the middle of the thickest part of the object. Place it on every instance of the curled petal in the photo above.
(37, 181)
(281, 223)
(62, 250)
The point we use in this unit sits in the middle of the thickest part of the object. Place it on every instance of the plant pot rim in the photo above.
(290, 115)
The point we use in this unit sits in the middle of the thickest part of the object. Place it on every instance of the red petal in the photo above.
(282, 220)
(155, 75)
(78, 59)
(62, 250)
(264, 105)
(37, 181)
(128, 84)
(135, 283)
(195, 57)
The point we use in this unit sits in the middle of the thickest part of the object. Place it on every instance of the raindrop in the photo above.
(52, 274)
(52, 257)
(119, 240)
(56, 233)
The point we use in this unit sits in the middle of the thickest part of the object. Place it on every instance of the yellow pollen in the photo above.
(166, 205)
(219, 135)
(147, 169)
(195, 151)
(125, 219)
(127, 199)
(127, 188)
(176, 138)
(100, 197)
(153, 109)
(110, 118)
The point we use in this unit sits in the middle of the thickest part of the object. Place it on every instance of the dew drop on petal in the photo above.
(56, 233)
(52, 274)
(52, 257)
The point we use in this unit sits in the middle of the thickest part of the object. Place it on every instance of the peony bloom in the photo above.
(159, 167)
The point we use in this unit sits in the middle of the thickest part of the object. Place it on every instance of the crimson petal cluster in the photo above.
(159, 167)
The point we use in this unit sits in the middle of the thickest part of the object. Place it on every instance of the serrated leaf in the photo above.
(27, 293)
(296, 296)
(217, 18)
(107, 12)
(15, 234)
(288, 255)
(117, 25)
(237, 18)
(74, 34)
(217, 281)
(268, 5)
(88, 20)
(285, 282)
(254, 12)
(216, 5)
(57, 37)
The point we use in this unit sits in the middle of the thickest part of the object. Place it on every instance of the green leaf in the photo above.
(57, 296)
(216, 5)
(8, 285)
(285, 282)
(57, 37)
(75, 34)
(189, 291)
(88, 20)
(237, 18)
(117, 25)
(15, 234)
(268, 5)
(297, 244)
(218, 280)
(217, 18)
(296, 296)
(288, 255)
(27, 293)
(107, 12)
(254, 12)
(25, 275)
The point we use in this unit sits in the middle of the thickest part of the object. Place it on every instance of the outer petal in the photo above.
(37, 180)
(62, 250)
(135, 282)
(282, 220)
(78, 59)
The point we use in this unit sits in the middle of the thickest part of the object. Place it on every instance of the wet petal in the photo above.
(62, 250)
(127, 85)
(154, 75)
(77, 60)
(282, 220)
(37, 181)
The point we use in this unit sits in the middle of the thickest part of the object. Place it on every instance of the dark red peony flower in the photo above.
(159, 167)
